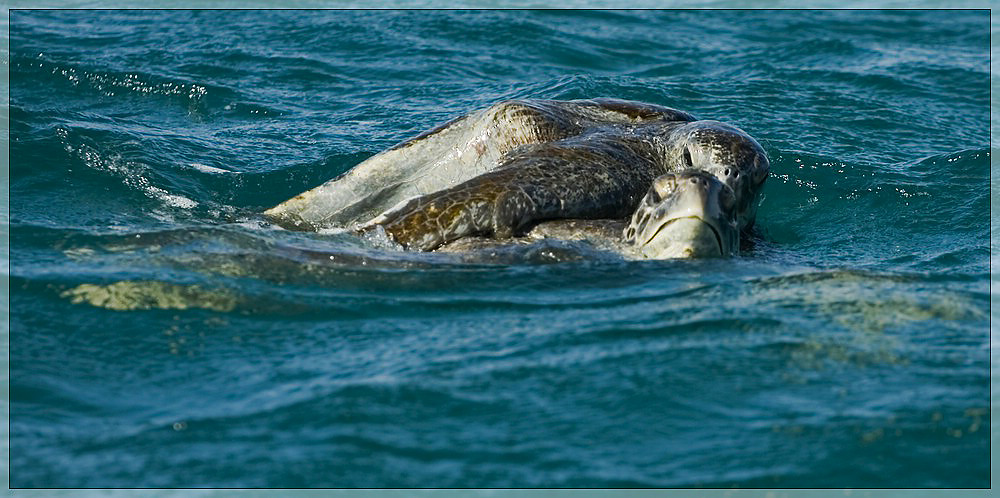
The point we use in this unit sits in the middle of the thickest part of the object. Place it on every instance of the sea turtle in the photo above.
(552, 168)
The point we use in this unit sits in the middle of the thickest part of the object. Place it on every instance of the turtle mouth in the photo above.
(715, 231)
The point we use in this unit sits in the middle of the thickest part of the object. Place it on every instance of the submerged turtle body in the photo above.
(605, 234)
(501, 171)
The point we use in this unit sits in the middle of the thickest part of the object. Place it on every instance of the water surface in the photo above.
(164, 335)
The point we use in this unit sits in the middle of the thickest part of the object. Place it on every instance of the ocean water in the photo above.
(163, 334)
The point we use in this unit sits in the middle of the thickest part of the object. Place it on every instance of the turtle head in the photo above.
(685, 215)
(729, 154)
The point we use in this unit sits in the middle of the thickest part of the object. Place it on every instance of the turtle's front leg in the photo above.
(425, 223)
(541, 183)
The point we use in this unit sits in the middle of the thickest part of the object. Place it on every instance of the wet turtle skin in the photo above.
(499, 171)
(602, 174)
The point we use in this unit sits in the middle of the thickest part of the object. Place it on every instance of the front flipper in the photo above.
(426, 223)
(541, 182)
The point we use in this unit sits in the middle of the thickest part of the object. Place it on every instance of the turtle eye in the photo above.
(686, 158)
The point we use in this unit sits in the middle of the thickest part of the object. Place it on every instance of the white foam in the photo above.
(171, 199)
(333, 231)
(204, 168)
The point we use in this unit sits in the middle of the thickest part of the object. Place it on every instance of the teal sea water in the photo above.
(162, 334)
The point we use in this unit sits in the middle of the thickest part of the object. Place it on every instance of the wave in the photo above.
(156, 317)
(201, 101)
